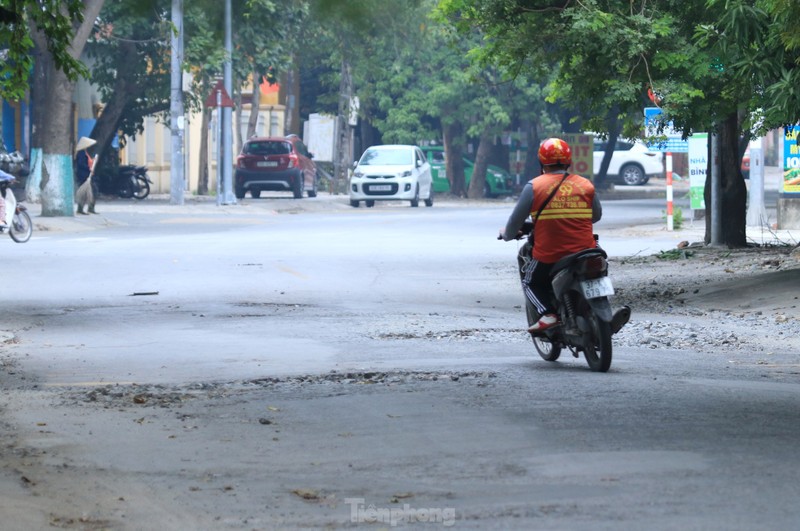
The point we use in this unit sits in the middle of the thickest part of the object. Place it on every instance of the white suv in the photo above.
(632, 163)
(391, 173)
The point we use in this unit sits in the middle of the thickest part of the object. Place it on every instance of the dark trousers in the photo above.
(537, 286)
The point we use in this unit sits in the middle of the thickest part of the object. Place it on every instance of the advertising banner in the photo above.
(673, 143)
(698, 164)
(791, 161)
(582, 153)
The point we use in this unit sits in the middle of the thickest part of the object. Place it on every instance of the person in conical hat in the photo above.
(84, 163)
(85, 143)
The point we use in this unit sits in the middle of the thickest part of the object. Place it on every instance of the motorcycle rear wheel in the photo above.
(548, 350)
(125, 190)
(21, 227)
(597, 349)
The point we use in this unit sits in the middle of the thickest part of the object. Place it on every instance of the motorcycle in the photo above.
(129, 181)
(582, 289)
(17, 221)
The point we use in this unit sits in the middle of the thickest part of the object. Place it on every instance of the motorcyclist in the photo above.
(563, 207)
(4, 177)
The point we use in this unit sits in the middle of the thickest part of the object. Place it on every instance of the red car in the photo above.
(276, 164)
(746, 164)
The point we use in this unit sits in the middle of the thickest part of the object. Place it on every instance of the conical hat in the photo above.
(85, 142)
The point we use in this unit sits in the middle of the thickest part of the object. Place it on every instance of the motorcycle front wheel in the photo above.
(548, 350)
(141, 188)
(597, 347)
(21, 227)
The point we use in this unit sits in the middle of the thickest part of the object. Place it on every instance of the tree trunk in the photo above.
(202, 165)
(56, 174)
(39, 91)
(255, 106)
(601, 173)
(57, 181)
(125, 91)
(454, 158)
(733, 201)
(237, 132)
(477, 184)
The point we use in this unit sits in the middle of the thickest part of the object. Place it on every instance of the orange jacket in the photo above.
(565, 225)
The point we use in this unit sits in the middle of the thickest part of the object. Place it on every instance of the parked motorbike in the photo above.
(129, 181)
(17, 222)
(582, 289)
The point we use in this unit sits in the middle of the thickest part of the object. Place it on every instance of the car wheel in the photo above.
(255, 193)
(239, 192)
(297, 190)
(415, 201)
(487, 191)
(353, 203)
(632, 175)
(370, 203)
(429, 201)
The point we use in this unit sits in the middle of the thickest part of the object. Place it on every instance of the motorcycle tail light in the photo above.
(594, 267)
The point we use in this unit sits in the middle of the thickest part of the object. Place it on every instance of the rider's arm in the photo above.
(520, 213)
(597, 209)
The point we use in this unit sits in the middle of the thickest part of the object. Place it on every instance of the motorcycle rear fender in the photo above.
(602, 308)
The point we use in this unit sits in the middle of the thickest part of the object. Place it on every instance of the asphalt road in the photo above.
(344, 368)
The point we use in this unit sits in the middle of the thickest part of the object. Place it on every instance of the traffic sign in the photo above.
(674, 142)
(219, 97)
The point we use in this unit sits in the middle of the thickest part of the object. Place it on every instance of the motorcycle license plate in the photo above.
(266, 164)
(597, 287)
(380, 188)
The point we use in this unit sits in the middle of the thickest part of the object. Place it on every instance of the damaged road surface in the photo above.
(369, 368)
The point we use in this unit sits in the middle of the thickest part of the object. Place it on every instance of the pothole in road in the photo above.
(464, 334)
(164, 396)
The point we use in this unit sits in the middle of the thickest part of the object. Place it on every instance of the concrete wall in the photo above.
(788, 212)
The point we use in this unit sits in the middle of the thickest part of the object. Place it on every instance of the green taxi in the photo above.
(498, 181)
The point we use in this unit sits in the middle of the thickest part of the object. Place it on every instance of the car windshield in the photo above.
(436, 156)
(267, 148)
(387, 157)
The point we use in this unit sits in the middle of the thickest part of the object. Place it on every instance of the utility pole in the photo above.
(341, 163)
(177, 122)
(227, 114)
(716, 193)
(756, 211)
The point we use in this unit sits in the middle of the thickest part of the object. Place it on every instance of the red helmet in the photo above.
(555, 151)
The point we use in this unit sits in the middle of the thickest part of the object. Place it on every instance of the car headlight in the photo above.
(406, 173)
(358, 174)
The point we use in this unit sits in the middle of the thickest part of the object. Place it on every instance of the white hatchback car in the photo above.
(391, 173)
(632, 163)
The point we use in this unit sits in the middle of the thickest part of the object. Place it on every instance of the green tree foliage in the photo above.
(605, 55)
(56, 20)
(416, 82)
(130, 65)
